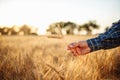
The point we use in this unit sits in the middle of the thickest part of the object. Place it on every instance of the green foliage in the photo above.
(89, 27)
(70, 27)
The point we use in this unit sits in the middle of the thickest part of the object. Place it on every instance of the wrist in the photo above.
(94, 44)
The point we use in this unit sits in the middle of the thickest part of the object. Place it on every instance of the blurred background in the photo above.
(41, 17)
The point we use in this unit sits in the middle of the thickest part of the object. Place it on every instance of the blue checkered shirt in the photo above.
(107, 40)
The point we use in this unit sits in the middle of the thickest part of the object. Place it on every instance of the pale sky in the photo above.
(41, 13)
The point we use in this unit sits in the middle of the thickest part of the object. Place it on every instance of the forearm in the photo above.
(97, 44)
(94, 44)
(111, 43)
(107, 40)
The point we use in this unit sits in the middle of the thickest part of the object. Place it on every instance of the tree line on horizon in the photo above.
(15, 30)
(70, 27)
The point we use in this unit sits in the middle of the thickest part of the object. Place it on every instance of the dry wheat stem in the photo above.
(61, 77)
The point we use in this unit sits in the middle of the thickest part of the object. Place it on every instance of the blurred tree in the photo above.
(60, 24)
(80, 27)
(69, 27)
(55, 28)
(34, 31)
(88, 27)
(52, 29)
(25, 29)
(1, 30)
(5, 31)
(14, 30)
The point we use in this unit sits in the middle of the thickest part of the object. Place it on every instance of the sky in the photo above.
(41, 13)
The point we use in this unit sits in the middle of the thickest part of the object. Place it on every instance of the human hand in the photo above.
(79, 48)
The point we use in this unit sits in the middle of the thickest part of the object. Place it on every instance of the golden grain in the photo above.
(41, 58)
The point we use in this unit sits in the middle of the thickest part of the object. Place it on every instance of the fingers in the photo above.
(73, 51)
(72, 45)
(78, 44)
(79, 51)
(79, 48)
(76, 51)
(74, 48)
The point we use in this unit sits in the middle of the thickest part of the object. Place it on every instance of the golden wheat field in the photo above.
(42, 58)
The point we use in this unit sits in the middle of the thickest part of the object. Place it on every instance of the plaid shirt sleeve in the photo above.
(107, 40)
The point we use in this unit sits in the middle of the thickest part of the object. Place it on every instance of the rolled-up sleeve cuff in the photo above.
(94, 44)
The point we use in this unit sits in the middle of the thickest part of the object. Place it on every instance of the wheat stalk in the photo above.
(58, 73)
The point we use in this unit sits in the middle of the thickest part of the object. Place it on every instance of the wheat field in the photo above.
(43, 58)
